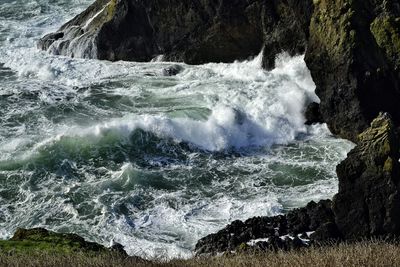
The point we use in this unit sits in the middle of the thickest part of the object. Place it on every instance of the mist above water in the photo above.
(117, 152)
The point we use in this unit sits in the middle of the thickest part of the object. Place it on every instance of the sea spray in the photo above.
(119, 152)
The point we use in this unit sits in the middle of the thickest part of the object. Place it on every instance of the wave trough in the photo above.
(119, 152)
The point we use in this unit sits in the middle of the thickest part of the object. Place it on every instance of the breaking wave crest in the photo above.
(120, 152)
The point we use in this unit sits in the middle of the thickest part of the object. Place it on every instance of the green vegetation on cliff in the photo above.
(38, 241)
(386, 30)
(49, 242)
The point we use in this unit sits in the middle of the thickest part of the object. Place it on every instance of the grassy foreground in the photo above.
(372, 253)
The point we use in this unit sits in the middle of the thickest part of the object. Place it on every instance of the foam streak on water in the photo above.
(118, 152)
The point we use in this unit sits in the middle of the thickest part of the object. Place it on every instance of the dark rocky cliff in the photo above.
(352, 46)
(353, 60)
(195, 32)
(367, 204)
(352, 49)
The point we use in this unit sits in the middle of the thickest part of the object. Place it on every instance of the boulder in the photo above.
(195, 32)
(327, 232)
(276, 229)
(368, 201)
(309, 218)
(172, 70)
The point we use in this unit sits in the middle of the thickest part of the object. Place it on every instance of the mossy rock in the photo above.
(386, 30)
(42, 240)
(353, 54)
(369, 193)
(331, 25)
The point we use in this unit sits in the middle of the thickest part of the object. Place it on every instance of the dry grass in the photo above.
(375, 253)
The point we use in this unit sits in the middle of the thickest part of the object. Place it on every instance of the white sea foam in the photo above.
(67, 121)
(264, 109)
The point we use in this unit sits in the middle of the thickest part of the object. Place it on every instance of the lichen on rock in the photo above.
(368, 201)
(352, 47)
(386, 30)
(350, 62)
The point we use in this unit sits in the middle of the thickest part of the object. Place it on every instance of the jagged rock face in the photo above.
(316, 217)
(285, 26)
(352, 46)
(195, 32)
(353, 55)
(368, 202)
(78, 38)
(313, 114)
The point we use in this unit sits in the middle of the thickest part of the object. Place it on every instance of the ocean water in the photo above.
(117, 152)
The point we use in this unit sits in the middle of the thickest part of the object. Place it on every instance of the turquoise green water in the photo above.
(119, 152)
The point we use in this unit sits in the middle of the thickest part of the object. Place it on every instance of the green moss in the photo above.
(46, 241)
(105, 16)
(386, 31)
(331, 27)
(110, 10)
(388, 166)
(242, 247)
(386, 148)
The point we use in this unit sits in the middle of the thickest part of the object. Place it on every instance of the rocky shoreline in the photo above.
(366, 205)
(352, 49)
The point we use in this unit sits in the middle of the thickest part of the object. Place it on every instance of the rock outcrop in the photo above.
(48, 241)
(195, 32)
(353, 58)
(352, 47)
(280, 232)
(313, 114)
(368, 202)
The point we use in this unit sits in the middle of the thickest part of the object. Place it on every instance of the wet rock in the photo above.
(118, 248)
(352, 47)
(368, 202)
(285, 26)
(45, 43)
(238, 232)
(172, 70)
(275, 243)
(298, 221)
(353, 54)
(313, 114)
(304, 236)
(296, 243)
(327, 232)
(309, 218)
(195, 32)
